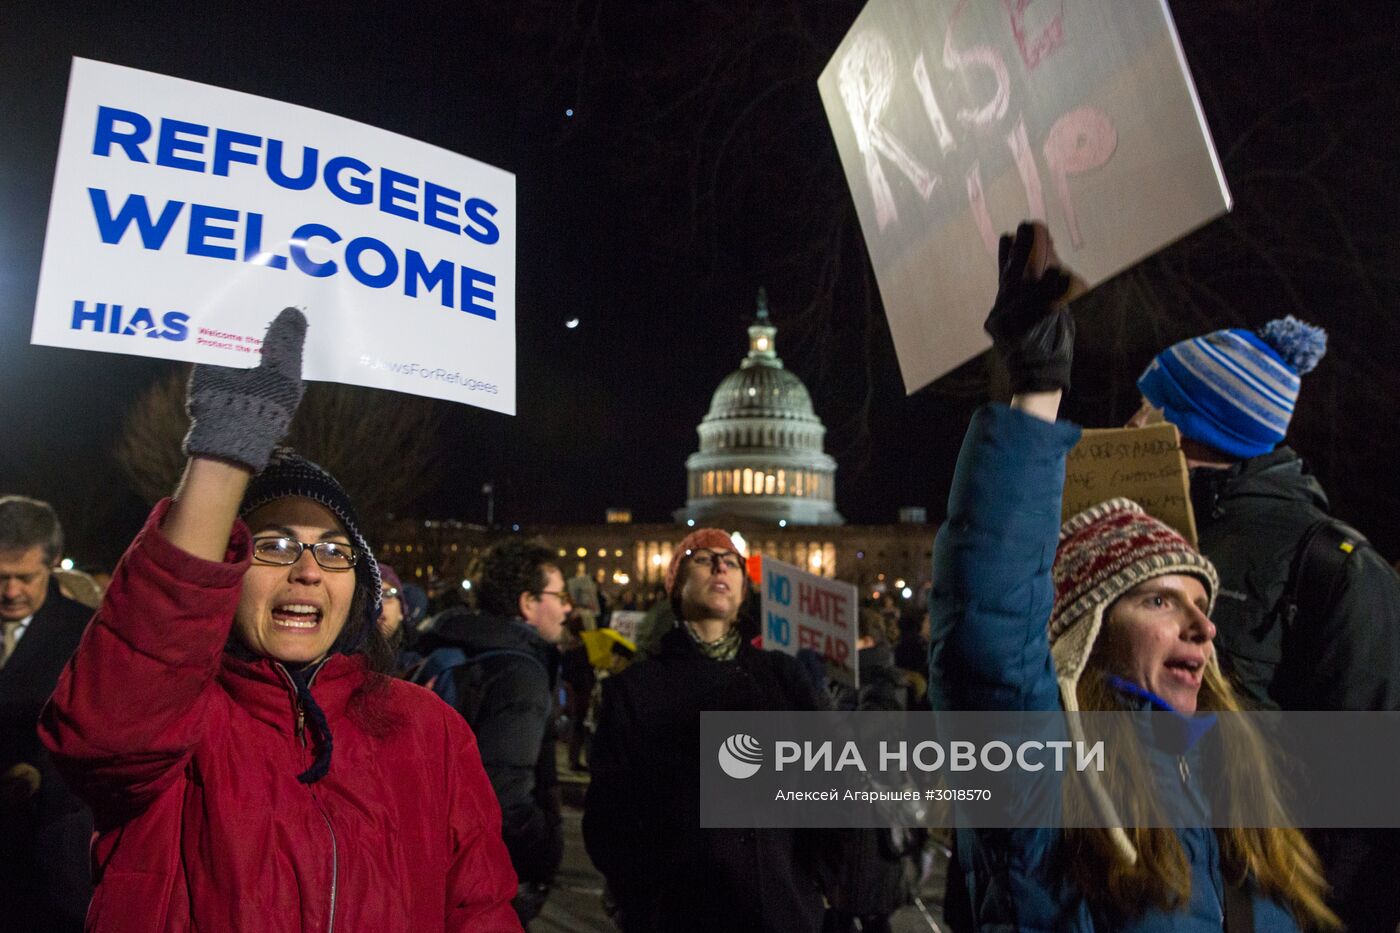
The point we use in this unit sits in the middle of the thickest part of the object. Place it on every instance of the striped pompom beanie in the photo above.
(1235, 389)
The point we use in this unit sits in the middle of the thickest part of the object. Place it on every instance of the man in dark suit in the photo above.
(44, 830)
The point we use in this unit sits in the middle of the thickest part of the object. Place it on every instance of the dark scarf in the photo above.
(316, 722)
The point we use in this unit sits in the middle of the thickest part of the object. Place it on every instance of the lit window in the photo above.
(782, 482)
(748, 481)
(769, 482)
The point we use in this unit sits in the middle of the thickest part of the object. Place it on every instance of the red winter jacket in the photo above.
(190, 759)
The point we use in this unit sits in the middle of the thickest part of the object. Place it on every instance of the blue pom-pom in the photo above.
(1301, 346)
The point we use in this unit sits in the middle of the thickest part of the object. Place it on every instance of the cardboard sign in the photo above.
(956, 120)
(185, 216)
(802, 610)
(625, 623)
(1145, 465)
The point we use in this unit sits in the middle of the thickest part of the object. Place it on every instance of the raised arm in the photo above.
(992, 593)
(134, 699)
(236, 417)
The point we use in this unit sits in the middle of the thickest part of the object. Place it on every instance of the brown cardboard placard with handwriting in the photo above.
(1145, 465)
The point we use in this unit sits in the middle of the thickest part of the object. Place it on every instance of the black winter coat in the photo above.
(1251, 522)
(870, 872)
(45, 882)
(641, 820)
(512, 718)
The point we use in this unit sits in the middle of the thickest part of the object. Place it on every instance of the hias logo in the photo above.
(740, 756)
(112, 319)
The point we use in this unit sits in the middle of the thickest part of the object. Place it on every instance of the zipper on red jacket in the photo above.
(330, 926)
(301, 734)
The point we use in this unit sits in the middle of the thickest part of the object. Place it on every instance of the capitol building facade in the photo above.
(760, 473)
(761, 454)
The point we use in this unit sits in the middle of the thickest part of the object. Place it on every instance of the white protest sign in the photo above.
(625, 623)
(803, 610)
(185, 216)
(956, 120)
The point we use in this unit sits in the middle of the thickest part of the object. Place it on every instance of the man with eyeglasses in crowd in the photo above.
(641, 820)
(502, 682)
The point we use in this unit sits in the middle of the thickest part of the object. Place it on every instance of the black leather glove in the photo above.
(1030, 326)
(241, 414)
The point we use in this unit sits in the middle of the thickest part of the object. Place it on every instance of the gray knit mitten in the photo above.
(241, 414)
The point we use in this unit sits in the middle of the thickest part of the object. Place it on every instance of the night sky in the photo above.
(697, 166)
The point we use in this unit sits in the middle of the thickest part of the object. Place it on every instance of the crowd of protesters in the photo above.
(262, 728)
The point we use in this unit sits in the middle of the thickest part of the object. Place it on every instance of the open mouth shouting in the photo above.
(296, 616)
(1186, 671)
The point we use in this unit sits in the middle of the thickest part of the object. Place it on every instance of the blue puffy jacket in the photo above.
(990, 650)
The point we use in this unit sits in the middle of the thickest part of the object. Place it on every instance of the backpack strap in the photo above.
(440, 672)
(1318, 568)
(429, 671)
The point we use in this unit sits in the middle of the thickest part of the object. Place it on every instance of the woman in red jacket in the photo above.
(249, 766)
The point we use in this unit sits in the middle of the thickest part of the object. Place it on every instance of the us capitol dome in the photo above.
(761, 455)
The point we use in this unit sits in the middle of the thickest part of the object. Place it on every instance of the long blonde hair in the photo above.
(1279, 860)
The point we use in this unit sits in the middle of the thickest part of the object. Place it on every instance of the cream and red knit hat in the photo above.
(711, 538)
(1103, 553)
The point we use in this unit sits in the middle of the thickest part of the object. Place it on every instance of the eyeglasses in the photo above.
(718, 560)
(389, 592)
(330, 555)
(561, 595)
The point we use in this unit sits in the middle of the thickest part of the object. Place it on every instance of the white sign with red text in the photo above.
(626, 623)
(802, 610)
(184, 217)
(956, 120)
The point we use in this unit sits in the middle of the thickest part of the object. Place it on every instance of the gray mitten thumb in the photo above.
(241, 414)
